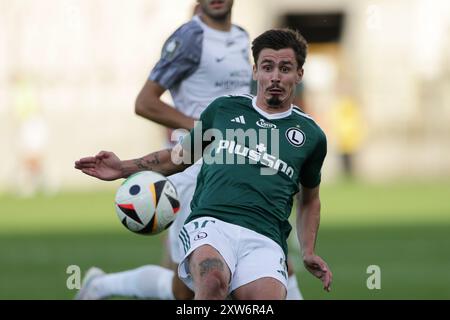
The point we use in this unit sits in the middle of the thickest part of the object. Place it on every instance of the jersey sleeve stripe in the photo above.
(300, 113)
(248, 96)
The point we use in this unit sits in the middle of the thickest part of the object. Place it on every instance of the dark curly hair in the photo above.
(278, 39)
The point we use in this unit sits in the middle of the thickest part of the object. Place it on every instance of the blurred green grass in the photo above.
(404, 228)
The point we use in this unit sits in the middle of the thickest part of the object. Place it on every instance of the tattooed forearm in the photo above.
(140, 163)
(151, 161)
(147, 164)
(159, 161)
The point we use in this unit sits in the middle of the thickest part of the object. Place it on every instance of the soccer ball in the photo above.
(147, 203)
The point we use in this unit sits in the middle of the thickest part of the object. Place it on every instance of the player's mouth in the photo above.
(275, 91)
(217, 4)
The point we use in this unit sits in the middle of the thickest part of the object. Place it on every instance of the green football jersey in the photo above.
(253, 164)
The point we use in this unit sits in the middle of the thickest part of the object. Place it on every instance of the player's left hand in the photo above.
(104, 166)
(319, 268)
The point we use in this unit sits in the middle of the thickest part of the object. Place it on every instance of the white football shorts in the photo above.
(248, 254)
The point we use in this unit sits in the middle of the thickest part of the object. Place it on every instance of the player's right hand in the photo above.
(319, 268)
(105, 166)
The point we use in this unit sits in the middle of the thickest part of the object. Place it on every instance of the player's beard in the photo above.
(274, 102)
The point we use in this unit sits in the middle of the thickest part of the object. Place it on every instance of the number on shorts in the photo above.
(196, 224)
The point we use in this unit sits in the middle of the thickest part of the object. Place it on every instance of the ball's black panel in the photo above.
(167, 227)
(159, 187)
(148, 228)
(174, 202)
(129, 211)
(124, 222)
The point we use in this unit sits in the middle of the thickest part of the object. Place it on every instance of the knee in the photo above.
(210, 273)
(212, 285)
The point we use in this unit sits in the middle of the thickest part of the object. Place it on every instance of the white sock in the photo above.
(293, 291)
(147, 282)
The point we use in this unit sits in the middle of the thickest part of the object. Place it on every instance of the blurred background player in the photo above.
(348, 127)
(205, 58)
(32, 137)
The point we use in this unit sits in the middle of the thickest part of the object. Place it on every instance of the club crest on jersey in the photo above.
(296, 137)
(170, 49)
(266, 125)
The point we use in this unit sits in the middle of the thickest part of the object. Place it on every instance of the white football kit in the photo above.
(197, 65)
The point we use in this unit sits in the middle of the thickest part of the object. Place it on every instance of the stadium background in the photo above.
(71, 69)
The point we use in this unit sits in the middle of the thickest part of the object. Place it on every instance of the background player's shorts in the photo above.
(185, 183)
(248, 254)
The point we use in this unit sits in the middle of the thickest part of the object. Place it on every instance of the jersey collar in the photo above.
(197, 19)
(272, 116)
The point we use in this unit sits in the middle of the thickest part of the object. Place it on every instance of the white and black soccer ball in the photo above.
(147, 203)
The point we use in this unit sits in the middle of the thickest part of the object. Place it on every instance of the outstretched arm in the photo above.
(308, 220)
(107, 166)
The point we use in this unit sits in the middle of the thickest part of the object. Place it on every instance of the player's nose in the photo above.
(275, 76)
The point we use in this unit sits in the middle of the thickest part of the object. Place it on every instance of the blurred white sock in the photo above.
(147, 282)
(293, 291)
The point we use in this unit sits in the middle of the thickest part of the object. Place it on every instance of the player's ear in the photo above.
(299, 75)
(255, 70)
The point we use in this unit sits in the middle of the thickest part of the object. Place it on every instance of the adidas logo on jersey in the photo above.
(240, 119)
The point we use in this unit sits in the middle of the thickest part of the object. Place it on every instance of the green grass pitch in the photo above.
(403, 228)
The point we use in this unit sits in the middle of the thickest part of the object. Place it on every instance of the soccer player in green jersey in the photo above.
(258, 153)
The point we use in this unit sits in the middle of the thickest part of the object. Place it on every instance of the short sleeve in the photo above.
(310, 174)
(180, 56)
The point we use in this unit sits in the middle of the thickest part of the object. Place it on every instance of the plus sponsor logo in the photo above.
(257, 155)
(234, 147)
